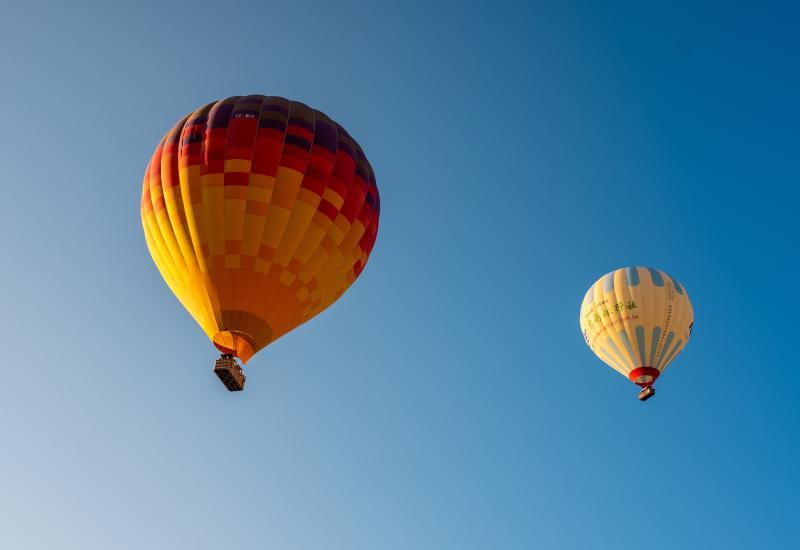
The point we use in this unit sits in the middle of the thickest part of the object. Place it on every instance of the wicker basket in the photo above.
(230, 373)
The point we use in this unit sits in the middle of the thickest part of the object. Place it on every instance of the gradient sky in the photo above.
(447, 401)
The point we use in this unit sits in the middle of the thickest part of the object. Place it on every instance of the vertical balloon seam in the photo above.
(175, 259)
(296, 224)
(332, 265)
(689, 313)
(661, 313)
(202, 212)
(198, 179)
(235, 211)
(226, 284)
(195, 181)
(273, 104)
(656, 336)
(230, 220)
(156, 250)
(665, 349)
(632, 275)
(312, 265)
(168, 263)
(153, 242)
(373, 209)
(325, 179)
(613, 363)
(655, 276)
(191, 193)
(327, 268)
(638, 320)
(640, 340)
(637, 295)
(609, 282)
(604, 289)
(648, 306)
(627, 342)
(296, 119)
(687, 318)
(308, 237)
(624, 295)
(327, 256)
(267, 281)
(674, 353)
(163, 268)
(337, 267)
(683, 306)
(673, 308)
(215, 203)
(331, 272)
(678, 324)
(592, 307)
(234, 205)
(265, 297)
(250, 202)
(356, 253)
(323, 176)
(174, 219)
(612, 345)
(600, 292)
(583, 324)
(588, 306)
(678, 288)
(177, 219)
(619, 294)
(243, 104)
(169, 250)
(284, 256)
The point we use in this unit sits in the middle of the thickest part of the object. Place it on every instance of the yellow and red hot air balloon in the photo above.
(259, 212)
(637, 320)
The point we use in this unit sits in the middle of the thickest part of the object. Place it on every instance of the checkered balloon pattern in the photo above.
(259, 212)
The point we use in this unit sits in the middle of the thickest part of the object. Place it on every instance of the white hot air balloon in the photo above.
(637, 320)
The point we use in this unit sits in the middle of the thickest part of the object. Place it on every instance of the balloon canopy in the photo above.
(637, 320)
(259, 212)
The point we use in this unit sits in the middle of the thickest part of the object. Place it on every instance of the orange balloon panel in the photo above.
(259, 213)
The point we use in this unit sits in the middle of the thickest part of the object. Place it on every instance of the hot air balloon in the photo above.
(259, 212)
(637, 320)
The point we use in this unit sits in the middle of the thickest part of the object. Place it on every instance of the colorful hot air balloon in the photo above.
(259, 212)
(637, 320)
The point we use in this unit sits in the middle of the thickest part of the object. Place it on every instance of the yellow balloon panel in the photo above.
(637, 320)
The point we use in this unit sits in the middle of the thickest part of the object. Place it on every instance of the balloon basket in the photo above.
(230, 373)
(647, 393)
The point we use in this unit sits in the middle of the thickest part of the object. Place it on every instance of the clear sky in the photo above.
(447, 401)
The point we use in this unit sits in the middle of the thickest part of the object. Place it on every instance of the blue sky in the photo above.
(447, 401)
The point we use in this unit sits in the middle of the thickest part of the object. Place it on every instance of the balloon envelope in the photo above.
(259, 212)
(637, 320)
